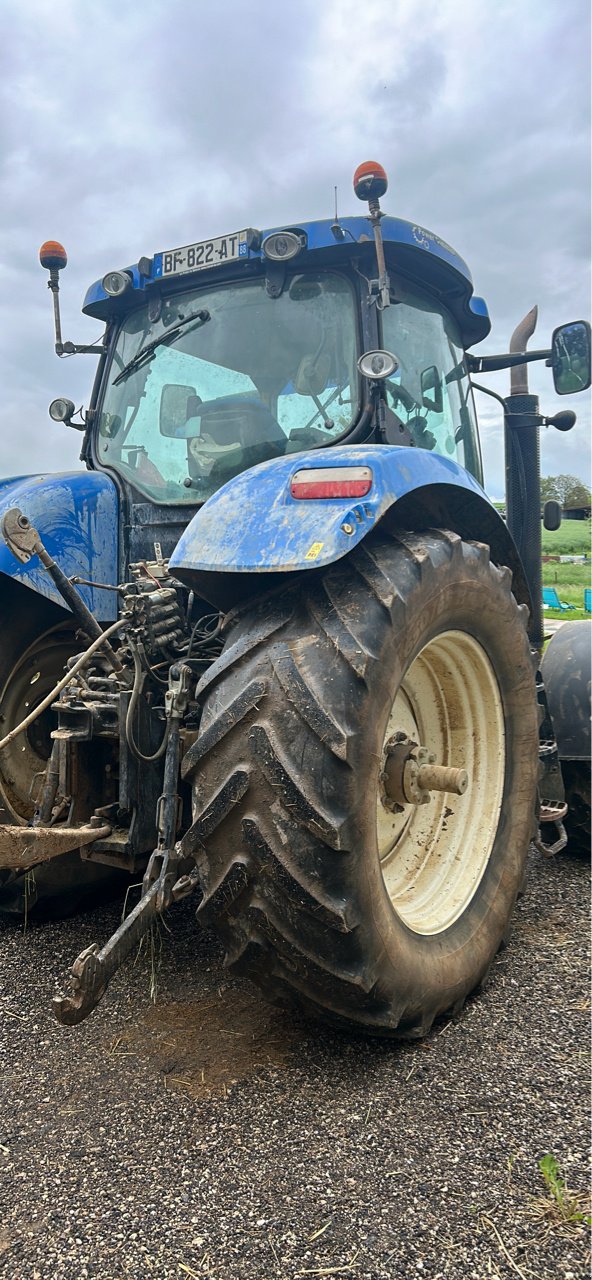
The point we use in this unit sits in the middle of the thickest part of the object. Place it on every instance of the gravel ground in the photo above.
(208, 1135)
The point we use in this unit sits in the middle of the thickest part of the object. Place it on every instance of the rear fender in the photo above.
(76, 516)
(252, 532)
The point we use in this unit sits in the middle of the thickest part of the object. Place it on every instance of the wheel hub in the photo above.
(410, 774)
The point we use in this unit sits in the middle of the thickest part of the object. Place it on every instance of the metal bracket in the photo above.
(551, 814)
(392, 429)
(549, 850)
(275, 279)
(20, 536)
(24, 847)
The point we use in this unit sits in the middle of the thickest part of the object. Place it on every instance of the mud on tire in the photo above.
(323, 895)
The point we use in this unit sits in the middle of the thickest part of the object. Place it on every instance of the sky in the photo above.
(132, 127)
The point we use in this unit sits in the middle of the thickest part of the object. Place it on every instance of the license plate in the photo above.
(204, 254)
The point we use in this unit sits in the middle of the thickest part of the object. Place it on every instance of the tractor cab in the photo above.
(257, 345)
(235, 377)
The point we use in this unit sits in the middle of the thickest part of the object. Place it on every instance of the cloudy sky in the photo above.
(133, 126)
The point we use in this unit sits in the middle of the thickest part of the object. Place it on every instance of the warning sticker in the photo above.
(314, 551)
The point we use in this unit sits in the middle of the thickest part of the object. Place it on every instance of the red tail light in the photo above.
(331, 482)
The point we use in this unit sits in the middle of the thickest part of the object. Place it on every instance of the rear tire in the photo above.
(576, 780)
(328, 900)
(565, 669)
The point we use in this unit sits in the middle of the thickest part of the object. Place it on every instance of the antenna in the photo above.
(336, 228)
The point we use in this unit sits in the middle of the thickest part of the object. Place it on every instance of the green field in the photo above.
(572, 538)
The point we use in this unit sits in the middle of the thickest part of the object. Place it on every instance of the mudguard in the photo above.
(76, 515)
(253, 525)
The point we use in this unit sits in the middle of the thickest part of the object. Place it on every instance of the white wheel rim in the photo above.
(433, 856)
(23, 762)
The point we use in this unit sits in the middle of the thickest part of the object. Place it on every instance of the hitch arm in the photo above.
(93, 969)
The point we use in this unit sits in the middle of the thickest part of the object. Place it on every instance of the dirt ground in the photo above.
(204, 1133)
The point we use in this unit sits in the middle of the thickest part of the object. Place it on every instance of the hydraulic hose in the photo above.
(139, 677)
(55, 693)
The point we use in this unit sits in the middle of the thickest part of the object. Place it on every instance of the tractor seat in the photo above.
(232, 433)
(239, 420)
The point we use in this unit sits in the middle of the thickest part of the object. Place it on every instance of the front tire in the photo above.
(36, 641)
(328, 893)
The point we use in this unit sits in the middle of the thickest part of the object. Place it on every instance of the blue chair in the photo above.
(552, 601)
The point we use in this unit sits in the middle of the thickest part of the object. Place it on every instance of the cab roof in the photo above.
(410, 250)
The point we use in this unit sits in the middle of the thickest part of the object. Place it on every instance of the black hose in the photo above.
(139, 678)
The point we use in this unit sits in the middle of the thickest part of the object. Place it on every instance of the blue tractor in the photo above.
(275, 647)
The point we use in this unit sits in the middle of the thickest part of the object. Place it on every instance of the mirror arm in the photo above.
(490, 364)
(76, 349)
(488, 392)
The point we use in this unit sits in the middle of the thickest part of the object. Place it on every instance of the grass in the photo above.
(564, 575)
(572, 538)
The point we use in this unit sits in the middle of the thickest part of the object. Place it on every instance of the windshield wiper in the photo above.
(145, 353)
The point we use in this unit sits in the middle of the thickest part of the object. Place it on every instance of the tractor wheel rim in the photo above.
(23, 761)
(433, 856)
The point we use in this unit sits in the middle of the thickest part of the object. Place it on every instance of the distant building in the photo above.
(576, 513)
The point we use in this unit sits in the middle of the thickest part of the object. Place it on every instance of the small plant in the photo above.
(566, 1206)
(150, 947)
(29, 889)
(155, 957)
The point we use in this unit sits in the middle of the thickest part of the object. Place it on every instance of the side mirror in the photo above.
(177, 404)
(431, 381)
(552, 512)
(570, 357)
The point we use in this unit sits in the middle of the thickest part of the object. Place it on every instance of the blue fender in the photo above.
(253, 525)
(12, 480)
(76, 515)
